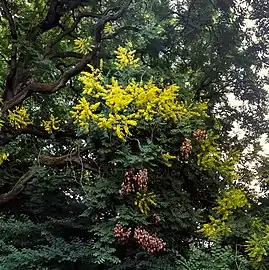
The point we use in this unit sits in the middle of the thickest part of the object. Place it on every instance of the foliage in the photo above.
(19, 117)
(215, 257)
(116, 143)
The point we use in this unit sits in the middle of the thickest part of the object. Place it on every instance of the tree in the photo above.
(115, 146)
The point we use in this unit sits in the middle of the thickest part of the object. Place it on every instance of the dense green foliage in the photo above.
(116, 149)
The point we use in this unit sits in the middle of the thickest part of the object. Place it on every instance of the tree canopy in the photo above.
(116, 142)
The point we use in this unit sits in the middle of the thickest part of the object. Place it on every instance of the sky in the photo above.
(237, 103)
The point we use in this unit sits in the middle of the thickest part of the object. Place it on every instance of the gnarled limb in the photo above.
(73, 158)
(62, 160)
(101, 23)
(7, 135)
(57, 8)
(19, 186)
(72, 28)
(25, 90)
(65, 55)
(51, 87)
(120, 30)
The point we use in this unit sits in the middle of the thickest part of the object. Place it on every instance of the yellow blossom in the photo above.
(168, 158)
(117, 98)
(1, 121)
(3, 157)
(83, 45)
(144, 200)
(168, 104)
(51, 124)
(108, 29)
(126, 58)
(119, 123)
(229, 201)
(92, 81)
(83, 113)
(215, 229)
(19, 117)
(123, 105)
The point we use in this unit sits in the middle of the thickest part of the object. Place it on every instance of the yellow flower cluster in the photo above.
(258, 244)
(231, 200)
(167, 159)
(51, 124)
(168, 156)
(210, 157)
(151, 100)
(119, 123)
(1, 123)
(216, 228)
(19, 117)
(83, 45)
(92, 81)
(117, 98)
(3, 157)
(126, 57)
(108, 29)
(83, 113)
(123, 105)
(143, 200)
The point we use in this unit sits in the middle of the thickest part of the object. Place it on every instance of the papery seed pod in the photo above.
(125, 188)
(186, 148)
(141, 179)
(122, 233)
(151, 243)
(199, 134)
(134, 182)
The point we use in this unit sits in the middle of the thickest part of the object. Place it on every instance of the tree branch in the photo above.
(51, 87)
(101, 23)
(13, 57)
(23, 93)
(40, 132)
(65, 55)
(7, 135)
(119, 31)
(72, 158)
(18, 187)
(56, 10)
(75, 24)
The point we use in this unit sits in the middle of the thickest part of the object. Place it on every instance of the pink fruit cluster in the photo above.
(134, 181)
(122, 233)
(186, 148)
(199, 134)
(127, 185)
(151, 243)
